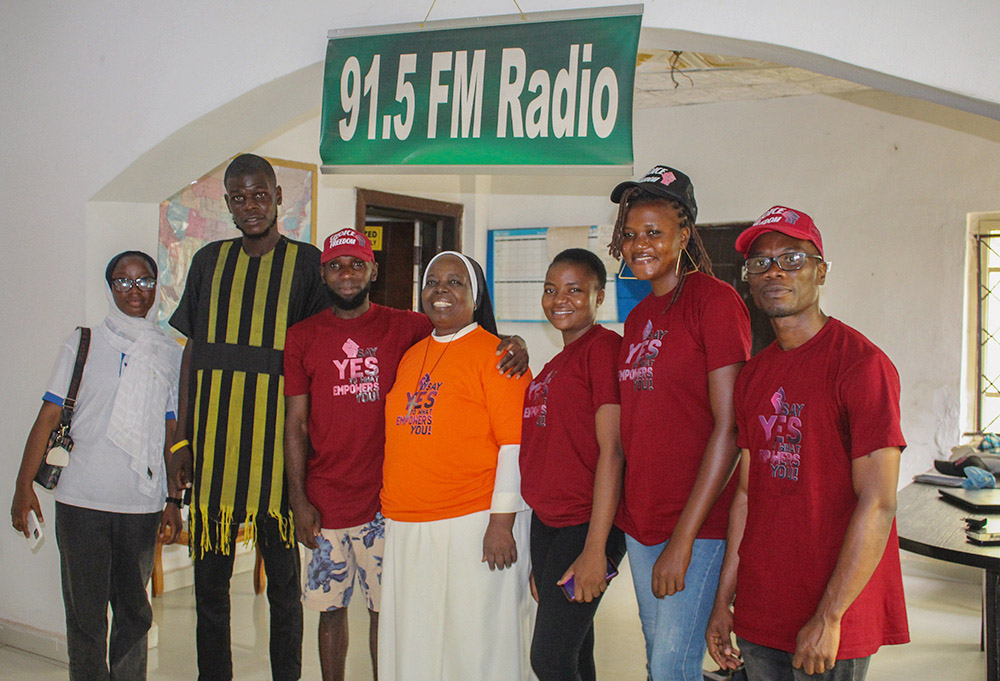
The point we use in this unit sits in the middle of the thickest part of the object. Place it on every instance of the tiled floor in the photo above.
(942, 602)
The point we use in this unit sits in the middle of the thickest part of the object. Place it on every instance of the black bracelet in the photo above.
(176, 501)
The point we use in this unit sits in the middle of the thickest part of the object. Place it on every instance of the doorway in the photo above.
(727, 264)
(406, 232)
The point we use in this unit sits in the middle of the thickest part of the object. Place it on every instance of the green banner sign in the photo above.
(548, 90)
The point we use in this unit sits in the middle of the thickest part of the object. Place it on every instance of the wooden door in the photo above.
(409, 232)
(727, 265)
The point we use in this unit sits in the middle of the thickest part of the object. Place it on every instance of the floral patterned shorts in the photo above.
(342, 553)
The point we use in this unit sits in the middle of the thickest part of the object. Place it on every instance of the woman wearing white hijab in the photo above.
(111, 495)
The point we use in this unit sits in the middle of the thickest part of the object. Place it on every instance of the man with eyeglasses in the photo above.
(812, 554)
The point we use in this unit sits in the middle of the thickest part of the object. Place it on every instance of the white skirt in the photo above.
(445, 615)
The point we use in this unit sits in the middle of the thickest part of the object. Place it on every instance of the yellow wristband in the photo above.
(179, 445)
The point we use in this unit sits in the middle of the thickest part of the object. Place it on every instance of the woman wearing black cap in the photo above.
(683, 346)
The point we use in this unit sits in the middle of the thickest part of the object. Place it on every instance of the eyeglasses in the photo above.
(787, 262)
(123, 284)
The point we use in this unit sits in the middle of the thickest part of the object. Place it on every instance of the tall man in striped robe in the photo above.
(240, 297)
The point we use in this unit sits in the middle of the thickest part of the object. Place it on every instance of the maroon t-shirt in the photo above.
(559, 447)
(347, 366)
(663, 372)
(805, 415)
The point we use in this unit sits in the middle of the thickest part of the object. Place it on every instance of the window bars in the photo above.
(988, 333)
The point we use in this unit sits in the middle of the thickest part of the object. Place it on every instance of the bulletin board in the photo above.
(516, 261)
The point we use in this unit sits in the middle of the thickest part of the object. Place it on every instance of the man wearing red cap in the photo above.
(812, 554)
(339, 365)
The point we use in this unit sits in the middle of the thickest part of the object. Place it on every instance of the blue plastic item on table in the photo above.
(977, 478)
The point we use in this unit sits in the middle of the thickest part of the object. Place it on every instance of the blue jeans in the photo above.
(769, 664)
(674, 626)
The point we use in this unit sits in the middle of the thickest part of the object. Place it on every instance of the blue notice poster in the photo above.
(629, 292)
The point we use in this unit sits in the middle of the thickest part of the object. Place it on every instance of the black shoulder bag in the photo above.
(60, 443)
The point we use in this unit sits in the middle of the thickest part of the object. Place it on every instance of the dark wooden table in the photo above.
(932, 527)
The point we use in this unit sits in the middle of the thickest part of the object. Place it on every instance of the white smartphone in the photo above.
(34, 531)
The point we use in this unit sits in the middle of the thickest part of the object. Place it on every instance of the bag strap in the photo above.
(69, 403)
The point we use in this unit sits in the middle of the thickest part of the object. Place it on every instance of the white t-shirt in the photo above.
(99, 475)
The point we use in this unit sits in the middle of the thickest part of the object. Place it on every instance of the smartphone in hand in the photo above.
(570, 591)
(34, 531)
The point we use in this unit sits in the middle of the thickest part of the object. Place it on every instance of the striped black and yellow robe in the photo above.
(237, 309)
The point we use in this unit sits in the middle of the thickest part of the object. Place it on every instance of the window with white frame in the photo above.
(987, 241)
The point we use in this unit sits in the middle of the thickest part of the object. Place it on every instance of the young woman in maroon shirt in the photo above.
(571, 470)
(683, 346)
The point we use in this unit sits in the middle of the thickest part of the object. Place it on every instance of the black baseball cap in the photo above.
(666, 182)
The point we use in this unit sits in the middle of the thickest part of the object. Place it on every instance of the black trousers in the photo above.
(212, 574)
(562, 647)
(106, 558)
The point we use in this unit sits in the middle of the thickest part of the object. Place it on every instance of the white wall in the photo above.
(94, 87)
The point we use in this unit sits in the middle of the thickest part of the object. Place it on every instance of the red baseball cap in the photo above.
(794, 223)
(347, 241)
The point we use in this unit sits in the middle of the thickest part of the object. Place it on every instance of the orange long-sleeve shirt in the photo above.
(446, 418)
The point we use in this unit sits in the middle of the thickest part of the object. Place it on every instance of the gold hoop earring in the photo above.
(622, 269)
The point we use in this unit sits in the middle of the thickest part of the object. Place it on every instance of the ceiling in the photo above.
(667, 78)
